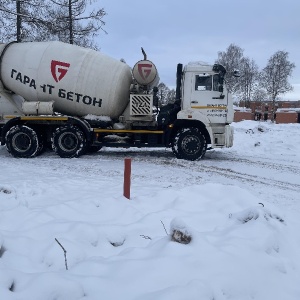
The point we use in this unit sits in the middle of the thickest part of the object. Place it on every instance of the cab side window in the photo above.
(203, 82)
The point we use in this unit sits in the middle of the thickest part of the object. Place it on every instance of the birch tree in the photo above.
(231, 60)
(248, 81)
(274, 77)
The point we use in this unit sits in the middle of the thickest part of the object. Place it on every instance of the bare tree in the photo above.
(74, 23)
(23, 20)
(2, 23)
(231, 60)
(171, 96)
(248, 81)
(259, 95)
(165, 94)
(8, 18)
(162, 94)
(274, 77)
(65, 20)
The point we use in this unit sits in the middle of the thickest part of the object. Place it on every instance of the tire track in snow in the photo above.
(221, 167)
(262, 162)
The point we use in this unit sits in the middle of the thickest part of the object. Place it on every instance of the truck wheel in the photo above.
(22, 141)
(189, 144)
(68, 141)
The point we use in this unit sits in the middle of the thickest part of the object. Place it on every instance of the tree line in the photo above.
(79, 22)
(253, 84)
(71, 21)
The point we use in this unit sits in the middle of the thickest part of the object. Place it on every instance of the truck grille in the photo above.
(141, 105)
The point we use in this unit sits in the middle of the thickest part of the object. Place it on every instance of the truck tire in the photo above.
(189, 144)
(68, 141)
(22, 142)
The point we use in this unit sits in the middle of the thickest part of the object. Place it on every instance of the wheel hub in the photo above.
(68, 141)
(21, 142)
(191, 144)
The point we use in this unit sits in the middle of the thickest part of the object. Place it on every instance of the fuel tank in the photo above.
(78, 80)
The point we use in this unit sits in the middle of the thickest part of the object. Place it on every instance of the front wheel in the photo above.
(189, 144)
(68, 141)
(22, 141)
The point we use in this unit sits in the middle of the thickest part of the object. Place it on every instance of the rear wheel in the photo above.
(68, 141)
(22, 141)
(189, 144)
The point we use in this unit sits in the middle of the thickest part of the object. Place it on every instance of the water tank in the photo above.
(145, 73)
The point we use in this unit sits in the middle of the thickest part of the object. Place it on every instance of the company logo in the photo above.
(144, 70)
(59, 69)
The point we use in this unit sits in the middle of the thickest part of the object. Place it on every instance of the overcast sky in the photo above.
(196, 30)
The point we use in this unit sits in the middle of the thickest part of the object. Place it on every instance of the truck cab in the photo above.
(202, 111)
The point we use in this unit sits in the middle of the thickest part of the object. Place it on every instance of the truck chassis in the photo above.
(29, 136)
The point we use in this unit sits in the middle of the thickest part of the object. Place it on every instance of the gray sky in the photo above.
(174, 32)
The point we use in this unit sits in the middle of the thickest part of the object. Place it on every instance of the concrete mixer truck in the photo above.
(76, 100)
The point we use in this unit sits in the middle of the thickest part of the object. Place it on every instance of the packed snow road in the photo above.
(265, 160)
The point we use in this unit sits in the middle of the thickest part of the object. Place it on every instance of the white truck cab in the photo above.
(206, 103)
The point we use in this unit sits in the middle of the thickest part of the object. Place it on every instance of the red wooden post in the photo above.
(127, 176)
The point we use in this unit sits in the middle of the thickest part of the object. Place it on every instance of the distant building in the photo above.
(285, 111)
(242, 113)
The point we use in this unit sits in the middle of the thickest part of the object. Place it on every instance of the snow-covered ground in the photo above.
(241, 205)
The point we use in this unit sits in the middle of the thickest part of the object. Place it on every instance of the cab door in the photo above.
(207, 98)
